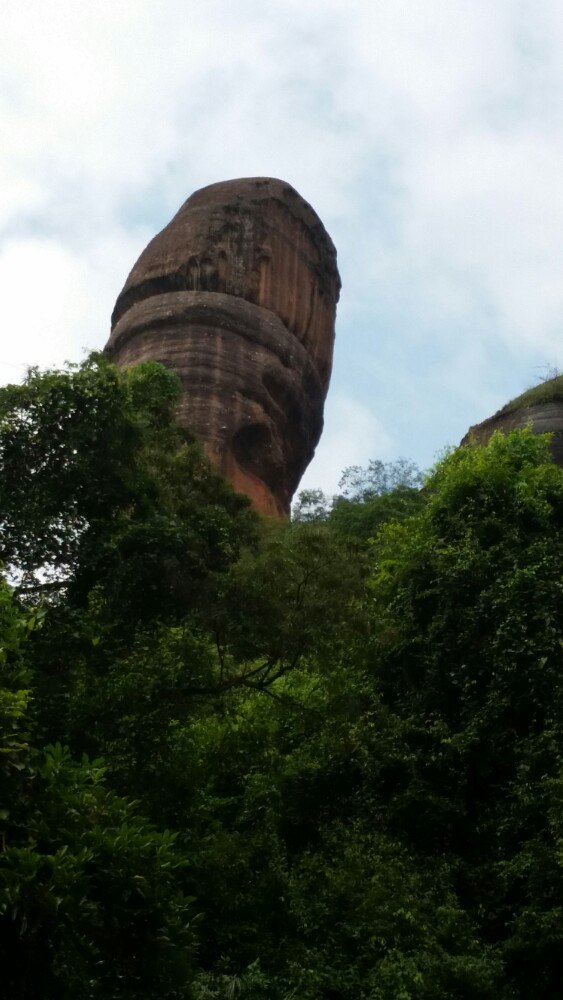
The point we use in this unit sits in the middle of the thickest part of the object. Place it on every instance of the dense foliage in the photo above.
(368, 498)
(319, 760)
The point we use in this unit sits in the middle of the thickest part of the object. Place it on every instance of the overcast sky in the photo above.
(427, 134)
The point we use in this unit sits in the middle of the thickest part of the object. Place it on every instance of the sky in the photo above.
(427, 134)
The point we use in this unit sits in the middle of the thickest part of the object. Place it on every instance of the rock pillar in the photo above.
(238, 296)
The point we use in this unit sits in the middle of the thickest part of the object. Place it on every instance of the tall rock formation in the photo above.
(541, 407)
(238, 295)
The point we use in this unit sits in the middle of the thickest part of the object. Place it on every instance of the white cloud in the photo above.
(426, 135)
(353, 435)
(54, 301)
(42, 287)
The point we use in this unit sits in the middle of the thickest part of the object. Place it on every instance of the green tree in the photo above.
(89, 896)
(358, 746)
(378, 478)
(468, 651)
(100, 487)
(112, 520)
(368, 498)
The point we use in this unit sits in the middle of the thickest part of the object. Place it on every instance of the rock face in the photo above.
(542, 407)
(238, 295)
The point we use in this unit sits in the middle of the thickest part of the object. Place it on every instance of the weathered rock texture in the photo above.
(238, 295)
(541, 407)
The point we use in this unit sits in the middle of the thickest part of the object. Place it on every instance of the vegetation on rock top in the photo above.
(547, 391)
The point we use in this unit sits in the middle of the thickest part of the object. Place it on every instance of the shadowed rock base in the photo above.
(238, 296)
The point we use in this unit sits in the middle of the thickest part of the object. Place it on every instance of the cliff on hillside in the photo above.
(541, 407)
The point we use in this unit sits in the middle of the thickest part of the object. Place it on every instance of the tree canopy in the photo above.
(317, 760)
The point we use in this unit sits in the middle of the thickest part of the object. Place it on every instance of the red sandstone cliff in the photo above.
(238, 295)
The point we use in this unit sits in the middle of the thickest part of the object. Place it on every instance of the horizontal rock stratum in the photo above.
(540, 407)
(238, 295)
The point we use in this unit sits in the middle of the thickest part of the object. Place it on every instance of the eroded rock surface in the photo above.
(238, 295)
(540, 407)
